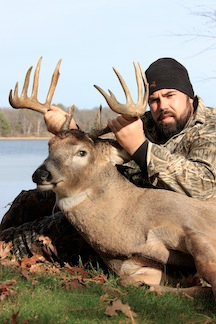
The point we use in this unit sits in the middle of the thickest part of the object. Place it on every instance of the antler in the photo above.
(31, 102)
(130, 108)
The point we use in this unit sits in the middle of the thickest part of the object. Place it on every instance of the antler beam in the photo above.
(32, 102)
(130, 109)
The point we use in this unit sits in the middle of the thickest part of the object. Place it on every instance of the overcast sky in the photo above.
(92, 36)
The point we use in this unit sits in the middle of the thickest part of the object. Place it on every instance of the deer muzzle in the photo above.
(43, 178)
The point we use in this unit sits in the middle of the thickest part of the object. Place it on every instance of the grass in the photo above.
(66, 296)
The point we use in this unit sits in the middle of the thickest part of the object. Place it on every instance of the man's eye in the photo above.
(81, 153)
(152, 100)
(171, 94)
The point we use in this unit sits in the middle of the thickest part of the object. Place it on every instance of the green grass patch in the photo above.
(63, 297)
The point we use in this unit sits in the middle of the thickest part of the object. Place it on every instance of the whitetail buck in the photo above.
(136, 231)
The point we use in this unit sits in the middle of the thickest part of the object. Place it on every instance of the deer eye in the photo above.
(81, 153)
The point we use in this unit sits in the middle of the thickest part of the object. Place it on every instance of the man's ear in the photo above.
(194, 102)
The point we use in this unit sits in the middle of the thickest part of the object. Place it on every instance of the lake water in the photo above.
(18, 160)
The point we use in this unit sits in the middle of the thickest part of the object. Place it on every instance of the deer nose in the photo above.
(41, 175)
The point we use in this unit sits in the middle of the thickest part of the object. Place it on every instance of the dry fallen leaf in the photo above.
(100, 279)
(71, 283)
(5, 249)
(6, 288)
(74, 271)
(27, 263)
(117, 305)
(7, 262)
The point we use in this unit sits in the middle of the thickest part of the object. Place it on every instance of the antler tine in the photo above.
(66, 124)
(35, 81)
(53, 84)
(130, 108)
(25, 86)
(141, 98)
(14, 100)
(124, 86)
(97, 122)
(31, 102)
(97, 129)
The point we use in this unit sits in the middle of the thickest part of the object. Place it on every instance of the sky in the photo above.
(92, 36)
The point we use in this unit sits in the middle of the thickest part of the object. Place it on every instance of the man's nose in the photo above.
(163, 103)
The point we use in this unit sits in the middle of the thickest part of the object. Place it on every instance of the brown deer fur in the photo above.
(136, 231)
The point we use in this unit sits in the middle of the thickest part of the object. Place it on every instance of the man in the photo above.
(177, 149)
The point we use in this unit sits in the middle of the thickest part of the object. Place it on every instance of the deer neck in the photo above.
(101, 189)
(68, 203)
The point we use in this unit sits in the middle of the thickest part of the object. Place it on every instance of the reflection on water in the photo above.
(18, 161)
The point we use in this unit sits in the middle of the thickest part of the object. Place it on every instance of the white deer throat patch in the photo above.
(66, 204)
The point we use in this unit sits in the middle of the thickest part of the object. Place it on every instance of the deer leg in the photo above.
(203, 249)
(135, 273)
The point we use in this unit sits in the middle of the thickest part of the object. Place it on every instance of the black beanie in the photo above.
(167, 73)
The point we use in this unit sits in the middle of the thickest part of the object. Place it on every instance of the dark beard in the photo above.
(167, 131)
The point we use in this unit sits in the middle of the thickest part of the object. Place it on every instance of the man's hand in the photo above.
(54, 119)
(128, 132)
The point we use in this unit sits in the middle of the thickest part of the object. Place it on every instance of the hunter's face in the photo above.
(171, 110)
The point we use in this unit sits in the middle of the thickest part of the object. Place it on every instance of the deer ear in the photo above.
(118, 155)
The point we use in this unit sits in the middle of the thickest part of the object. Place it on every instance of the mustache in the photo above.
(166, 112)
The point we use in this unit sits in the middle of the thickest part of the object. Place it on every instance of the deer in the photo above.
(138, 232)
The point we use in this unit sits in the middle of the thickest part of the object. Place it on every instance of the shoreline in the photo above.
(12, 138)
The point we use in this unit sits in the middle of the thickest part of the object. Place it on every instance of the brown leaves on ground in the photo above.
(5, 249)
(79, 277)
(117, 305)
(6, 288)
(72, 278)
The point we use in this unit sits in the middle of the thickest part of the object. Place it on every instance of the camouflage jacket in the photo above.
(186, 163)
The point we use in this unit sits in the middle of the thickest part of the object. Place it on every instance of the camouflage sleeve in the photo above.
(190, 168)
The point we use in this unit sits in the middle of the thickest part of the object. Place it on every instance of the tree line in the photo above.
(25, 122)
